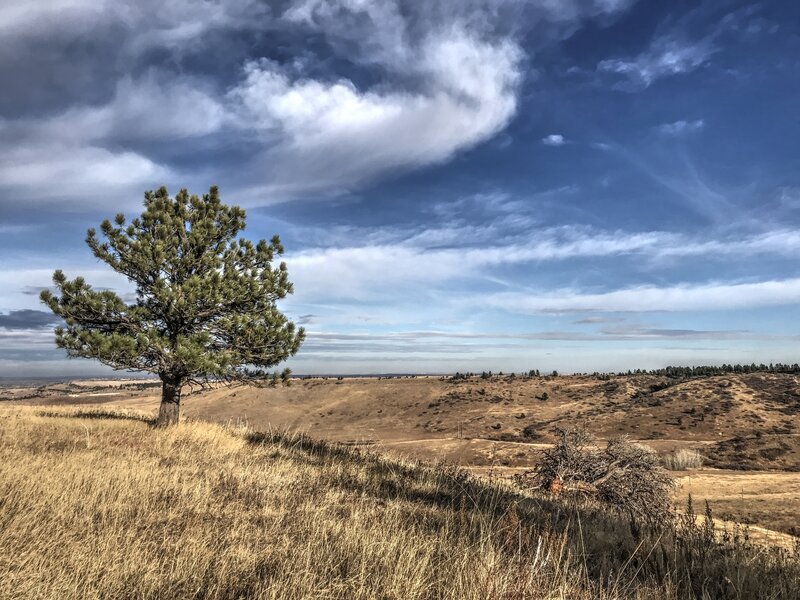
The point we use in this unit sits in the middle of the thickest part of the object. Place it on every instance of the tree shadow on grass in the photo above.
(609, 544)
(99, 414)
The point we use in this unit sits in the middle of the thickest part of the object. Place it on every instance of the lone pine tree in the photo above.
(205, 306)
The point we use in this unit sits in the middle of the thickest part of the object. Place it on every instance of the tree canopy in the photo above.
(206, 300)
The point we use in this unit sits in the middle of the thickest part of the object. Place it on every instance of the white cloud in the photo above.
(448, 77)
(58, 171)
(86, 150)
(333, 134)
(447, 88)
(399, 267)
(554, 139)
(570, 10)
(681, 127)
(148, 23)
(667, 55)
(18, 17)
(781, 242)
(376, 271)
(610, 333)
(146, 108)
(149, 109)
(710, 296)
(79, 155)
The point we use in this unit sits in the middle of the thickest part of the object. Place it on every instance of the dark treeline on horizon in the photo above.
(670, 371)
(705, 370)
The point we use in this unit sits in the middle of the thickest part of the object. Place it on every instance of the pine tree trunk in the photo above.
(170, 408)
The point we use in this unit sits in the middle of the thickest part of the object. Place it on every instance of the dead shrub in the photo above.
(625, 476)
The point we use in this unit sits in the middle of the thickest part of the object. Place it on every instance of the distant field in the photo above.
(744, 424)
(770, 499)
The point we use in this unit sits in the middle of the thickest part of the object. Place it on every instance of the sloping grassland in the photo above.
(102, 505)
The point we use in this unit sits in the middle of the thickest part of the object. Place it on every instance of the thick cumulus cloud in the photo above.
(313, 95)
(340, 135)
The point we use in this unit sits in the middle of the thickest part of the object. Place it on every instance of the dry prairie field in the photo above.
(388, 488)
(746, 427)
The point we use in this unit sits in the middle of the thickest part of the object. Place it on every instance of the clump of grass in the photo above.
(683, 460)
(114, 508)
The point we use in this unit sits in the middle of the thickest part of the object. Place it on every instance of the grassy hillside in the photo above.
(95, 506)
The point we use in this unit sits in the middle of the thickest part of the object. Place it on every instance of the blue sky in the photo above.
(485, 184)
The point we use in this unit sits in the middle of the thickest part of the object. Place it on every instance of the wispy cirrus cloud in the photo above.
(363, 269)
(513, 350)
(682, 297)
(400, 261)
(667, 55)
(595, 320)
(676, 48)
(317, 267)
(416, 337)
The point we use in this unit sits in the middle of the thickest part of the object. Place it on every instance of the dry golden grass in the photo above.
(767, 498)
(105, 506)
(683, 459)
